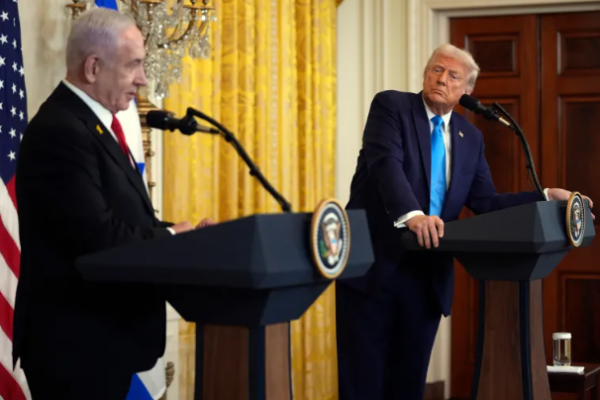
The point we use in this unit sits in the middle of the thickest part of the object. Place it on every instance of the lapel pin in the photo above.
(100, 131)
(460, 134)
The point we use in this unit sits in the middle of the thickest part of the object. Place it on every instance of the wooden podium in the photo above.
(509, 252)
(242, 282)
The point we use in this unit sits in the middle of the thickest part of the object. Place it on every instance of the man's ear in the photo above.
(91, 68)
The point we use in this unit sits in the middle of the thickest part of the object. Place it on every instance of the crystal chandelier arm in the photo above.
(133, 7)
(146, 17)
(190, 26)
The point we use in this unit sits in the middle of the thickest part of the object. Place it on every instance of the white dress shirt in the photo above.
(105, 116)
(401, 222)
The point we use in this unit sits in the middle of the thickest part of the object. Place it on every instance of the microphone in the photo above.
(164, 120)
(489, 113)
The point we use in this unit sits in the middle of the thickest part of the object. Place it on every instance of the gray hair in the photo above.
(462, 55)
(95, 32)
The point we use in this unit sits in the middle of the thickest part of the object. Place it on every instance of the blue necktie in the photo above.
(438, 167)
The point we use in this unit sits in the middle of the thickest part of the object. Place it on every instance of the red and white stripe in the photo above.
(13, 385)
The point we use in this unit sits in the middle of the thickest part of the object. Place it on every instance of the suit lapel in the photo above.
(101, 133)
(424, 135)
(113, 148)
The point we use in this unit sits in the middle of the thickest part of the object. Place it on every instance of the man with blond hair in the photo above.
(420, 163)
(79, 191)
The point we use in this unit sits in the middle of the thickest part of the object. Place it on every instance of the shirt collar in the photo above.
(105, 116)
(430, 114)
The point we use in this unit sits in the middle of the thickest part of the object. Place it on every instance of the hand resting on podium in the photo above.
(206, 222)
(429, 229)
(187, 226)
(557, 194)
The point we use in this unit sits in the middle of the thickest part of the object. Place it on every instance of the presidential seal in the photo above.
(330, 238)
(575, 219)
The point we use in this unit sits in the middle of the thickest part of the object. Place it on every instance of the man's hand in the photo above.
(182, 227)
(557, 194)
(428, 229)
(205, 222)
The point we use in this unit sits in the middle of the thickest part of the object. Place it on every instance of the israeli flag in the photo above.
(149, 385)
(107, 4)
(152, 384)
(130, 121)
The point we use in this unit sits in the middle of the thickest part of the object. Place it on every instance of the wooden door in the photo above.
(506, 50)
(545, 70)
(570, 122)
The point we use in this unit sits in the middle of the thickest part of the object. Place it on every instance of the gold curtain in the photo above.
(270, 80)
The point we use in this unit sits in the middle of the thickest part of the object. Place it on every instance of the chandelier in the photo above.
(171, 29)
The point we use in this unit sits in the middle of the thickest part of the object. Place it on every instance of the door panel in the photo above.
(545, 70)
(505, 50)
(570, 112)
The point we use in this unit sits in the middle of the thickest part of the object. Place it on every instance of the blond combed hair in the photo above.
(462, 55)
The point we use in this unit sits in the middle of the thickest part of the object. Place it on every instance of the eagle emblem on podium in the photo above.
(332, 244)
(330, 238)
(575, 219)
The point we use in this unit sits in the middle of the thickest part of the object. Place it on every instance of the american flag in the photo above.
(13, 120)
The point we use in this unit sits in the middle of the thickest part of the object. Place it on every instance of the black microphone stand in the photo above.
(528, 158)
(254, 171)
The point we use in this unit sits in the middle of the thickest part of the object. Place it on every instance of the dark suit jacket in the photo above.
(77, 193)
(392, 178)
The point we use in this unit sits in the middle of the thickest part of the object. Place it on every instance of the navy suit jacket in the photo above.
(392, 178)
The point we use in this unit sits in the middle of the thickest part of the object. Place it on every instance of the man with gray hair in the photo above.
(79, 191)
(420, 164)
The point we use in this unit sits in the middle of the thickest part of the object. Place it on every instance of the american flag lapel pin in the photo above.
(461, 134)
(100, 131)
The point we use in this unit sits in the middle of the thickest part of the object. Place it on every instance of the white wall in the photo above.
(384, 44)
(370, 47)
(44, 32)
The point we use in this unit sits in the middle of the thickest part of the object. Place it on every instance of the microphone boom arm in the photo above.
(526, 149)
(254, 171)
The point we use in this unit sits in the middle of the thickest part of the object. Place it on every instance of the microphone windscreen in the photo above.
(469, 102)
(158, 119)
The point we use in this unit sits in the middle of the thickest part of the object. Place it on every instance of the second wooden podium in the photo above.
(509, 252)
